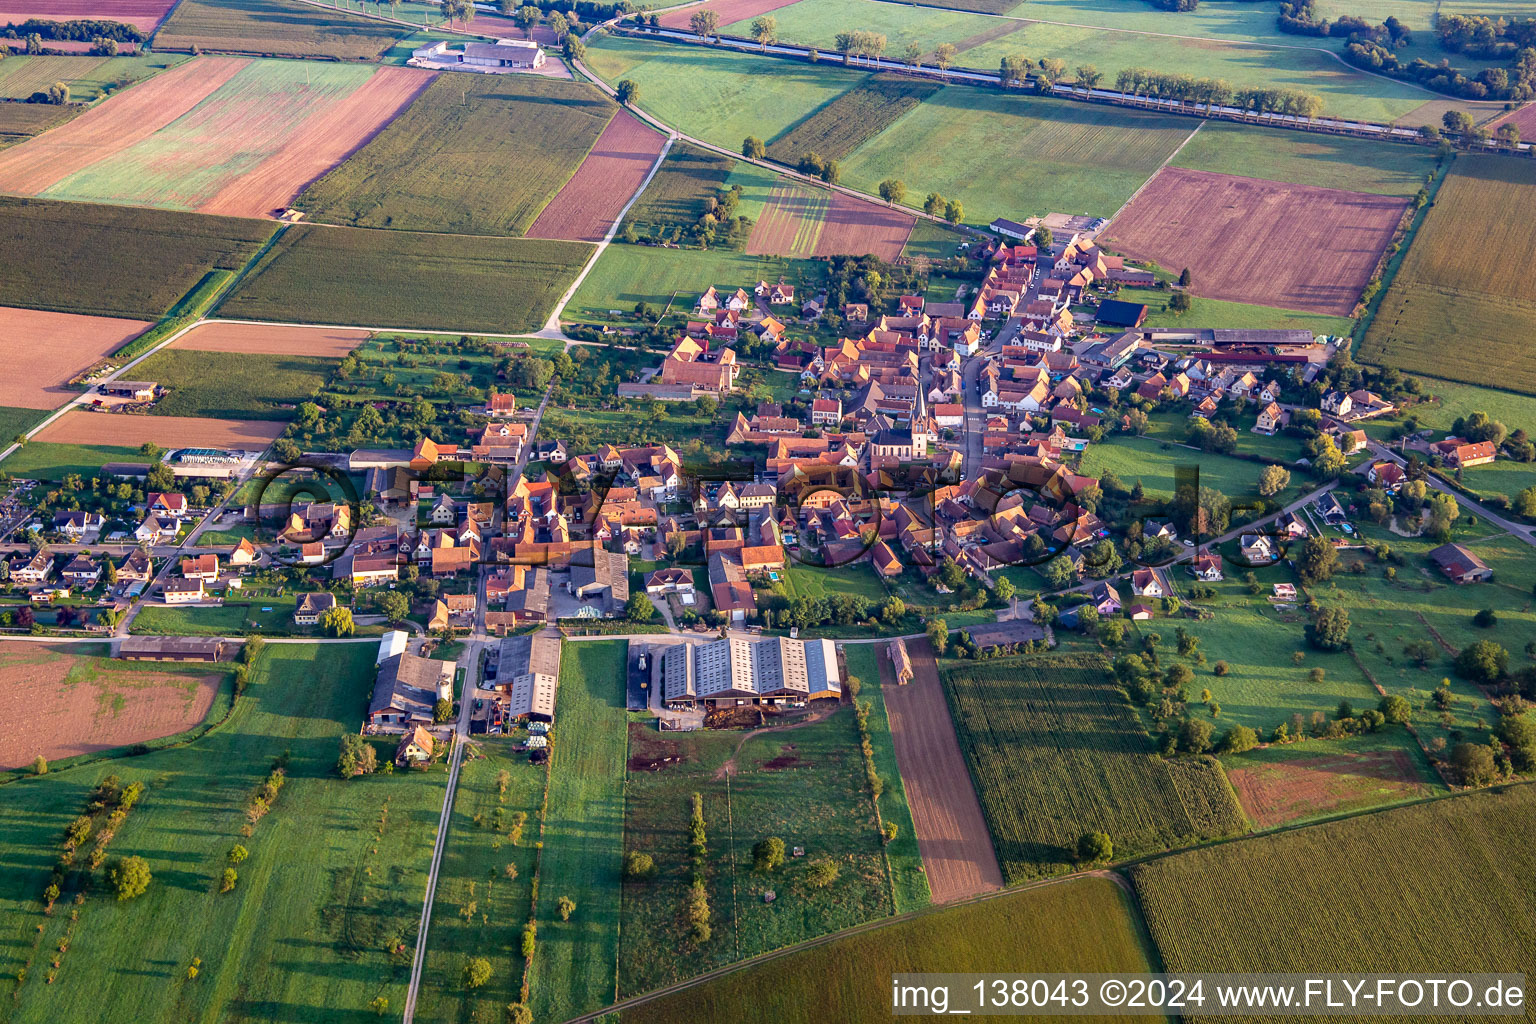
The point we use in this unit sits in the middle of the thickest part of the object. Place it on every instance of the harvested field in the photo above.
(613, 171)
(1262, 242)
(1276, 792)
(271, 339)
(989, 35)
(246, 137)
(44, 351)
(275, 27)
(855, 227)
(114, 126)
(1523, 118)
(20, 77)
(791, 221)
(1452, 312)
(951, 832)
(861, 113)
(65, 703)
(21, 121)
(113, 260)
(442, 165)
(677, 194)
(79, 426)
(141, 14)
(730, 11)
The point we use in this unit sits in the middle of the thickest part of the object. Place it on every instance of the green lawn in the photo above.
(243, 615)
(1446, 401)
(234, 385)
(674, 279)
(303, 937)
(1154, 462)
(804, 785)
(1232, 315)
(801, 580)
(56, 461)
(478, 910)
(934, 241)
(1504, 476)
(1327, 161)
(575, 964)
(905, 860)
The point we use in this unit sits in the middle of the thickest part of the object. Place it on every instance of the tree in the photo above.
(943, 57)
(1180, 303)
(639, 607)
(237, 854)
(933, 206)
(526, 17)
(228, 880)
(704, 24)
(1329, 629)
(822, 872)
(1395, 708)
(357, 757)
(954, 212)
(1194, 736)
(442, 711)
(462, 11)
(1185, 278)
(951, 576)
(337, 622)
(1094, 847)
(1486, 618)
(477, 972)
(58, 94)
(893, 191)
(129, 877)
(768, 854)
(1457, 121)
(559, 26)
(627, 92)
(1089, 77)
(566, 906)
(938, 636)
(1474, 764)
(1239, 739)
(1482, 661)
(40, 766)
(380, 1004)
(1004, 589)
(639, 865)
(752, 148)
(765, 30)
(394, 606)
(912, 56)
(1273, 480)
(1318, 560)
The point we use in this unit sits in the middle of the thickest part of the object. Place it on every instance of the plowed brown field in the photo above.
(321, 142)
(142, 14)
(63, 704)
(43, 351)
(1277, 792)
(271, 339)
(79, 426)
(1262, 242)
(589, 204)
(730, 11)
(951, 832)
(113, 126)
(854, 227)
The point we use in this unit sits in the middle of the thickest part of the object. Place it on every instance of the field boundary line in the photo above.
(1143, 186)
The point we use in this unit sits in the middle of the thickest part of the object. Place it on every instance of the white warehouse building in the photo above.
(775, 670)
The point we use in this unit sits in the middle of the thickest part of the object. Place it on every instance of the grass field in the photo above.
(274, 27)
(1355, 165)
(113, 261)
(801, 580)
(14, 421)
(1081, 925)
(1205, 312)
(674, 278)
(477, 909)
(1446, 298)
(933, 241)
(677, 194)
(1056, 751)
(902, 855)
(354, 894)
(856, 116)
(88, 78)
(1045, 143)
(235, 618)
(1506, 477)
(1214, 909)
(1446, 401)
(442, 165)
(575, 964)
(56, 461)
(230, 385)
(1155, 462)
(720, 96)
(395, 279)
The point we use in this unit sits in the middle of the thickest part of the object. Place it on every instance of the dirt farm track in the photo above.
(951, 832)
(63, 704)
(1261, 242)
(80, 426)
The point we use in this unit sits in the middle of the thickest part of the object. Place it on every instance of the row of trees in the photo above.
(1205, 93)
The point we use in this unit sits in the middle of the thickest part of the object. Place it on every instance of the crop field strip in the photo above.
(1279, 784)
(81, 427)
(728, 11)
(1215, 909)
(586, 207)
(1325, 161)
(861, 113)
(270, 339)
(44, 351)
(1056, 750)
(247, 145)
(791, 222)
(680, 188)
(114, 260)
(22, 121)
(1268, 243)
(225, 385)
(142, 14)
(354, 277)
(441, 165)
(1452, 310)
(275, 28)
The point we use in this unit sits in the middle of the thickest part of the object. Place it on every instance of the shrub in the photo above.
(229, 880)
(566, 906)
(129, 877)
(517, 1013)
(237, 853)
(1221, 668)
(637, 865)
(822, 873)
(768, 854)
(1095, 847)
(477, 972)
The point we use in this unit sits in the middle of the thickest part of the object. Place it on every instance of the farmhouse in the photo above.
(602, 576)
(503, 53)
(1460, 565)
(994, 635)
(776, 670)
(407, 690)
(176, 648)
(415, 747)
(527, 672)
(133, 390)
(309, 607)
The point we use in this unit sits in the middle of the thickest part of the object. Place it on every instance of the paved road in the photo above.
(1507, 525)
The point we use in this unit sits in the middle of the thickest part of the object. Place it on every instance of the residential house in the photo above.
(184, 591)
(203, 567)
(415, 748)
(1271, 419)
(309, 607)
(1147, 583)
(75, 524)
(1206, 567)
(157, 529)
(81, 572)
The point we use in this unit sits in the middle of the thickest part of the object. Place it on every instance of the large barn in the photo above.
(775, 670)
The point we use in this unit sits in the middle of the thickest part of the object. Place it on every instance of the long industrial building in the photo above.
(776, 670)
